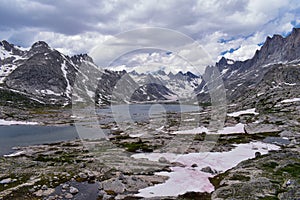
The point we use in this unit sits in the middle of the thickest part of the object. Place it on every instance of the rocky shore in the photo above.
(107, 169)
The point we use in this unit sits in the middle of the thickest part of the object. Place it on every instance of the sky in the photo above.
(231, 28)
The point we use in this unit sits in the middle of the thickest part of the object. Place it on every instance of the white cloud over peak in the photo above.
(78, 26)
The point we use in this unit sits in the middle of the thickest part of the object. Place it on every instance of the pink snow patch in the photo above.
(188, 179)
(182, 180)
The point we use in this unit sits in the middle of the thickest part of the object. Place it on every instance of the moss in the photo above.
(135, 146)
(172, 122)
(130, 198)
(292, 169)
(48, 179)
(279, 123)
(269, 165)
(17, 100)
(205, 104)
(195, 195)
(20, 178)
(122, 137)
(117, 132)
(216, 180)
(110, 192)
(234, 139)
(269, 198)
(240, 177)
(244, 138)
(200, 137)
(108, 174)
(71, 144)
(64, 158)
(22, 194)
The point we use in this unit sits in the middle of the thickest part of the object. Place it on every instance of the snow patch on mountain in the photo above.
(182, 85)
(290, 100)
(243, 112)
(65, 73)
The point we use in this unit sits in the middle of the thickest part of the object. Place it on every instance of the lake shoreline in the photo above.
(110, 162)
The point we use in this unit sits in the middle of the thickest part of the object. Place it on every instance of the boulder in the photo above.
(209, 170)
(73, 190)
(113, 185)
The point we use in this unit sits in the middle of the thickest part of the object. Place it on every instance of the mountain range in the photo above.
(42, 75)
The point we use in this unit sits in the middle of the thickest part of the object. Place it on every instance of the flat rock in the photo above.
(261, 128)
(46, 192)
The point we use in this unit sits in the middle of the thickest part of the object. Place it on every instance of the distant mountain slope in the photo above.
(275, 65)
(181, 85)
(40, 71)
(43, 75)
(46, 76)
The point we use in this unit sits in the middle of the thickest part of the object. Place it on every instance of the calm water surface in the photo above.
(24, 135)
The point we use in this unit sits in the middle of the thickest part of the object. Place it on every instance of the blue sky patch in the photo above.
(229, 51)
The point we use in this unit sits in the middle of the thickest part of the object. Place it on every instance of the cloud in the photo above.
(150, 60)
(187, 54)
(72, 44)
(78, 26)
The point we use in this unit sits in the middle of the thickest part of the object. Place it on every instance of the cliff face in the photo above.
(243, 80)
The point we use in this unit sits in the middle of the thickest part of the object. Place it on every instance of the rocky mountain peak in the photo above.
(191, 75)
(77, 59)
(134, 72)
(295, 32)
(275, 49)
(222, 61)
(161, 72)
(6, 45)
(278, 54)
(40, 44)
(179, 75)
(11, 48)
(40, 47)
(279, 49)
(170, 74)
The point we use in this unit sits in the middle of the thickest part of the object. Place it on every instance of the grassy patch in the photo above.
(48, 179)
(216, 180)
(205, 104)
(121, 137)
(200, 137)
(244, 138)
(195, 195)
(137, 146)
(9, 98)
(240, 177)
(172, 122)
(269, 198)
(64, 158)
(292, 169)
(22, 193)
(269, 165)
(134, 147)
(20, 178)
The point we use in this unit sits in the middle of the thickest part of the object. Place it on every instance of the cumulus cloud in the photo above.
(186, 52)
(153, 60)
(218, 26)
